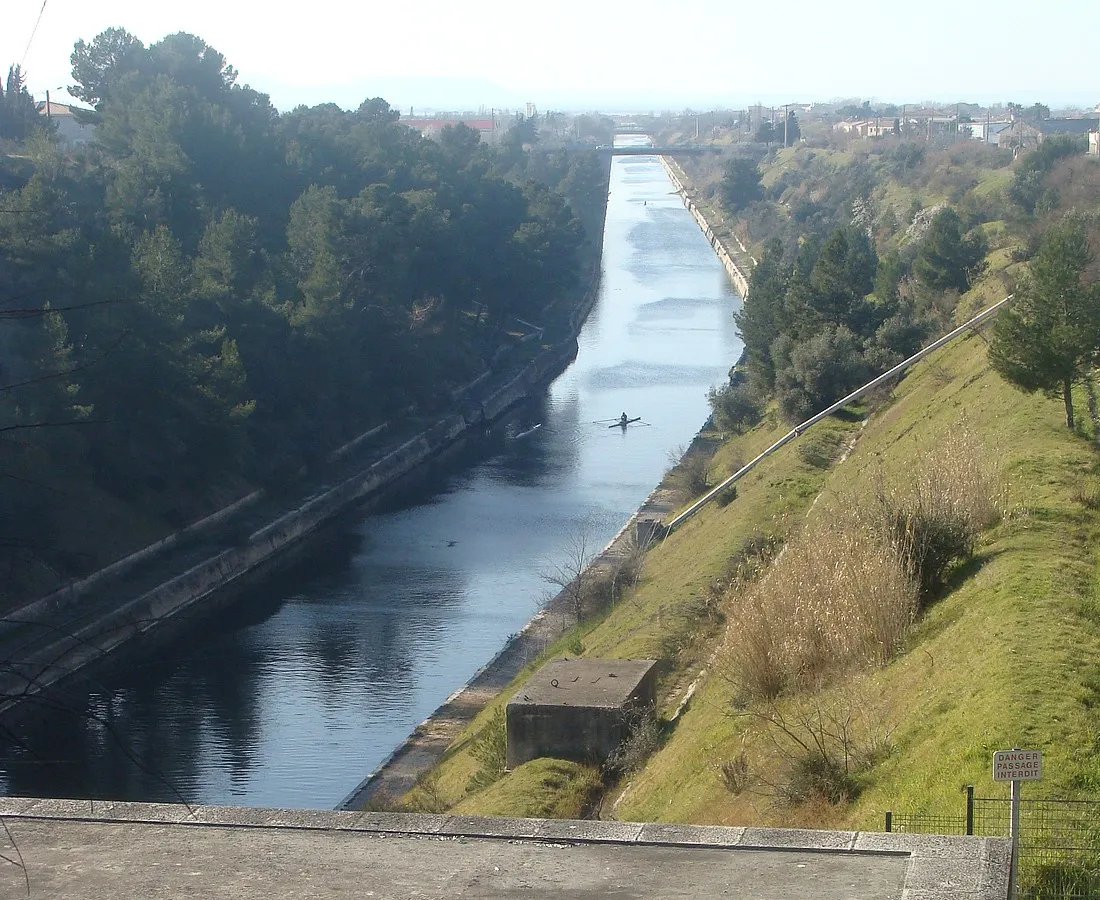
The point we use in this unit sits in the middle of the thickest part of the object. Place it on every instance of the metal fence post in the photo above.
(1014, 833)
(970, 809)
(889, 821)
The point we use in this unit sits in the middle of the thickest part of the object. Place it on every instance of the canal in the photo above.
(291, 697)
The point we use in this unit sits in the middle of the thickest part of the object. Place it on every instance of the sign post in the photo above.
(1014, 766)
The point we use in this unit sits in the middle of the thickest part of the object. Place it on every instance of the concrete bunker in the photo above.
(578, 709)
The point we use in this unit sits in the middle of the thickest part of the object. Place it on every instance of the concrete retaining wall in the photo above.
(737, 275)
(71, 593)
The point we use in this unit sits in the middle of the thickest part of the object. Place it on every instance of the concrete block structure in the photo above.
(578, 709)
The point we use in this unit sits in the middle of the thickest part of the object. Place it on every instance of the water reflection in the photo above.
(295, 694)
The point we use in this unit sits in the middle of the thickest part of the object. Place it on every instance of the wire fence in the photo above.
(1059, 842)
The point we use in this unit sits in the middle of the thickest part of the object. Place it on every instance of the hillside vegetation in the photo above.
(890, 598)
(211, 296)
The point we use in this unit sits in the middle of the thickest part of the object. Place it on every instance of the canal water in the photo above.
(307, 684)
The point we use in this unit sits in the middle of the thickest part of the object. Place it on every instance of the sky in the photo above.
(609, 55)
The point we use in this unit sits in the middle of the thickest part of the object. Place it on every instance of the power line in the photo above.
(34, 31)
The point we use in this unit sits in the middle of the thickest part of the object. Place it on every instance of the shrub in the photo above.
(734, 773)
(935, 516)
(690, 472)
(490, 748)
(826, 744)
(840, 599)
(734, 407)
(727, 495)
(849, 586)
(644, 738)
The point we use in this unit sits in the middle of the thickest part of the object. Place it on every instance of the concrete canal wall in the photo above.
(739, 273)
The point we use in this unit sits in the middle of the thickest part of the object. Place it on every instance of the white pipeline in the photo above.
(855, 395)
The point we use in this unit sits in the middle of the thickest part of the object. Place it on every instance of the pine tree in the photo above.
(1047, 338)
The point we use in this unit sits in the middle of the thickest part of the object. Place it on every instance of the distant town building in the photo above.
(70, 130)
(1094, 143)
(1021, 135)
(431, 127)
(986, 132)
(531, 111)
(868, 128)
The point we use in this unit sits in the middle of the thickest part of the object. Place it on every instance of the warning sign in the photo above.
(1017, 765)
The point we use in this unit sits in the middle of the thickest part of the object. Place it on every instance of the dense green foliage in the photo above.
(1028, 190)
(949, 258)
(817, 327)
(847, 282)
(741, 184)
(18, 117)
(216, 293)
(1049, 337)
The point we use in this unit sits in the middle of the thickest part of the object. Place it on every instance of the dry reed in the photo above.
(845, 591)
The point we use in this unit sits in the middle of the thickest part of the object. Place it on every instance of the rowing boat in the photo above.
(531, 430)
(622, 424)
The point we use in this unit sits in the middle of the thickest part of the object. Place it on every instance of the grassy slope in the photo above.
(1009, 656)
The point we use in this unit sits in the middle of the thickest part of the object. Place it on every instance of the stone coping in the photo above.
(960, 868)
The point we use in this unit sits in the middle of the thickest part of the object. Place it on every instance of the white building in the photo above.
(986, 132)
(70, 130)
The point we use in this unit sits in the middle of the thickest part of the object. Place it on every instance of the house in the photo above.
(431, 127)
(867, 128)
(1094, 143)
(1023, 135)
(986, 132)
(71, 131)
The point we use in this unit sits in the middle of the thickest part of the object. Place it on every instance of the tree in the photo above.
(96, 65)
(1037, 112)
(18, 115)
(741, 184)
(765, 134)
(820, 371)
(793, 132)
(761, 320)
(947, 258)
(1047, 338)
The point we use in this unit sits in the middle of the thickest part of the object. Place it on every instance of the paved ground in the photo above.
(76, 850)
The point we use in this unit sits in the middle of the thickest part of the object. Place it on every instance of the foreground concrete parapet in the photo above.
(94, 850)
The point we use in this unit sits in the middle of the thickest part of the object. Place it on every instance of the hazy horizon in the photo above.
(615, 56)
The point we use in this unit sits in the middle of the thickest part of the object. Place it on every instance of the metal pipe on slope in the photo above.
(855, 395)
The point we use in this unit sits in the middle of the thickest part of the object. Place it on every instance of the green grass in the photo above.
(544, 788)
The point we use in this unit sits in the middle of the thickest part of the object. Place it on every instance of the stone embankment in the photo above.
(736, 260)
(62, 633)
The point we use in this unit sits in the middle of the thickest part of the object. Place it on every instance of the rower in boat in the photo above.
(623, 420)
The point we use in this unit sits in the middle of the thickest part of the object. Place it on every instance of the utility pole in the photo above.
(48, 116)
(785, 119)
